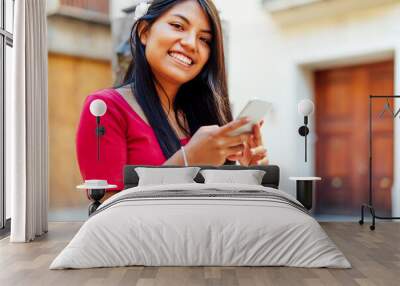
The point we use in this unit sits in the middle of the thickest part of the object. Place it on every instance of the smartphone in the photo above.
(255, 109)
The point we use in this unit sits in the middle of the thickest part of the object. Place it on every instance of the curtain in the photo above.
(26, 123)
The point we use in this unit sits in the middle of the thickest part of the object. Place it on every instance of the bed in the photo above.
(201, 224)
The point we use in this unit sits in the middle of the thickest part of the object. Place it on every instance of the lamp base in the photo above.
(304, 193)
(95, 195)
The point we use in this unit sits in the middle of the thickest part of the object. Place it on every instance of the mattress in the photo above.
(201, 225)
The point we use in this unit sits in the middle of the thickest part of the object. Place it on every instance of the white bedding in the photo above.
(185, 230)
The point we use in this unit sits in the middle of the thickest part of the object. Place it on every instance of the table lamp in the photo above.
(305, 108)
(98, 108)
(96, 189)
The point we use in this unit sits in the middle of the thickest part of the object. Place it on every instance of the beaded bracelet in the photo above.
(184, 156)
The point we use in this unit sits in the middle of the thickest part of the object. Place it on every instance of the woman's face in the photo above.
(178, 43)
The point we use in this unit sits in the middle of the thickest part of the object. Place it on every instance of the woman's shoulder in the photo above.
(108, 95)
(119, 101)
(130, 102)
(116, 108)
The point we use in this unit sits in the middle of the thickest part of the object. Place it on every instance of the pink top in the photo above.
(128, 140)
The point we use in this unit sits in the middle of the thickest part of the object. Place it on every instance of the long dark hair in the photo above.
(203, 100)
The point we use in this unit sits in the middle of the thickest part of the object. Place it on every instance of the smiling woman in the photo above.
(186, 42)
(174, 91)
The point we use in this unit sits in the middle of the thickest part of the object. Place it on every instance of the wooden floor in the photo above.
(374, 255)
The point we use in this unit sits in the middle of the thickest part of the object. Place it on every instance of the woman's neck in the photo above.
(167, 92)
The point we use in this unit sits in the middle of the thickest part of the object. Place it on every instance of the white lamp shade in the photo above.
(98, 107)
(305, 107)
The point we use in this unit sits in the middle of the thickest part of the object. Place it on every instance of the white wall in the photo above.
(116, 7)
(260, 66)
(276, 62)
(274, 56)
(79, 38)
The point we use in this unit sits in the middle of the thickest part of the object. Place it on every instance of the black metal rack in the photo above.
(370, 205)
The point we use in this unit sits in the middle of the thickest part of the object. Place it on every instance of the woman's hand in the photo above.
(254, 152)
(212, 145)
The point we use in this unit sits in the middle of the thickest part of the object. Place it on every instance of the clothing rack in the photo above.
(370, 205)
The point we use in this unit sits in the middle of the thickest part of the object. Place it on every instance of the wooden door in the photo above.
(342, 148)
(71, 79)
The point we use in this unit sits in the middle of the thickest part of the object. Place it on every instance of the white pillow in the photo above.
(163, 176)
(249, 177)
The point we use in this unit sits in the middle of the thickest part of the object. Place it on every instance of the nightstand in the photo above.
(304, 189)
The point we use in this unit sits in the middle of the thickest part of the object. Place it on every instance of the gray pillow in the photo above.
(163, 176)
(249, 177)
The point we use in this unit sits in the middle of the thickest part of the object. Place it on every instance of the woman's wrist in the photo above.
(178, 158)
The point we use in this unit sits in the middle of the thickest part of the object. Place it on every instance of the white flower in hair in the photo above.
(141, 9)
